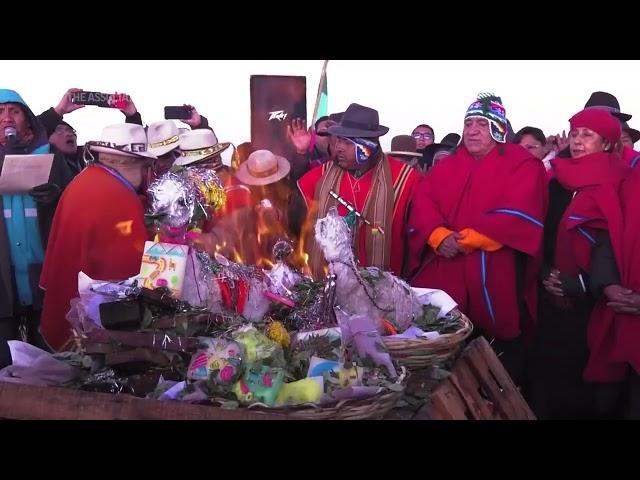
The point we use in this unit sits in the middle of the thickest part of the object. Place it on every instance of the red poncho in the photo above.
(597, 179)
(501, 196)
(98, 229)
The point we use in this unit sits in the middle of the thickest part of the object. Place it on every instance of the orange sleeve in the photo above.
(473, 240)
(437, 236)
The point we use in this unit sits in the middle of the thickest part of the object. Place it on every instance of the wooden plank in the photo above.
(30, 402)
(446, 403)
(135, 356)
(479, 371)
(477, 362)
(505, 394)
(172, 321)
(469, 389)
(160, 341)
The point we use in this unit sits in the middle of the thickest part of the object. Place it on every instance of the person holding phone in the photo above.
(63, 137)
(164, 136)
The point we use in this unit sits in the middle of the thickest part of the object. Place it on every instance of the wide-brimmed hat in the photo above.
(263, 168)
(430, 152)
(451, 139)
(359, 121)
(163, 136)
(198, 145)
(404, 146)
(633, 133)
(124, 139)
(608, 102)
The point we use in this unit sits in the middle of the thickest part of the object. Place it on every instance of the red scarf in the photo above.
(597, 179)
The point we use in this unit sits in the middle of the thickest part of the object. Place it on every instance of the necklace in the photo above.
(355, 189)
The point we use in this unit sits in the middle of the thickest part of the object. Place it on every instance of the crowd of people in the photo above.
(534, 236)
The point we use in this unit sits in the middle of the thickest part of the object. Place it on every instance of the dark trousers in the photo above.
(10, 329)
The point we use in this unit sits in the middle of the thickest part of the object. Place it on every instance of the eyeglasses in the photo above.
(62, 130)
(426, 136)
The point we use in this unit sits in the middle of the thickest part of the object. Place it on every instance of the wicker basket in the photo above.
(417, 353)
(370, 408)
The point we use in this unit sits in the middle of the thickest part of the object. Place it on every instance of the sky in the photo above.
(541, 93)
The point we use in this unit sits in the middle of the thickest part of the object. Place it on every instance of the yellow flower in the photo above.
(278, 333)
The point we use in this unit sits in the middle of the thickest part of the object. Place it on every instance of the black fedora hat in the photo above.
(633, 133)
(608, 102)
(451, 140)
(359, 121)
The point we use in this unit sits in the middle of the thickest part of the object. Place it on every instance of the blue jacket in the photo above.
(24, 224)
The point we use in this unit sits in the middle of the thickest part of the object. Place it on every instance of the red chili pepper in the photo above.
(225, 291)
(243, 295)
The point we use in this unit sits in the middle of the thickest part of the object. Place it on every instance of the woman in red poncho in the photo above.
(614, 328)
(584, 215)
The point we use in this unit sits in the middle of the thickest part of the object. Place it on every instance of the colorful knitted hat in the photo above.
(489, 106)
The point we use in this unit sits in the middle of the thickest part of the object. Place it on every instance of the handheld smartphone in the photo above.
(177, 113)
(98, 99)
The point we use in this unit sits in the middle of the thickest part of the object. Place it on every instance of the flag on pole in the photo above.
(322, 99)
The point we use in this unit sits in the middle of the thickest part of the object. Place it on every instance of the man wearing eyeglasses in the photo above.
(423, 135)
(63, 138)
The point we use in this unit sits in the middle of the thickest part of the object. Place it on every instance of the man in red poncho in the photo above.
(377, 185)
(476, 230)
(98, 227)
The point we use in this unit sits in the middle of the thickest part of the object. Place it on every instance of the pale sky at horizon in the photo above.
(542, 93)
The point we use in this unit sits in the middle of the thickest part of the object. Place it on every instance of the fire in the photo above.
(252, 231)
(300, 257)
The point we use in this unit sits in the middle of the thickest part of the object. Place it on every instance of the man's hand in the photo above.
(299, 136)
(558, 142)
(622, 300)
(195, 119)
(552, 284)
(129, 108)
(46, 193)
(449, 247)
(66, 105)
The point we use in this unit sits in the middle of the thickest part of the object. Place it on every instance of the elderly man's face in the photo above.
(12, 115)
(626, 139)
(64, 139)
(476, 137)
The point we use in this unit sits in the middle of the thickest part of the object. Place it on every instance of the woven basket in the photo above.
(415, 353)
(370, 408)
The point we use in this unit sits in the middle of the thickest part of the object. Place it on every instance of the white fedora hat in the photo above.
(125, 139)
(163, 136)
(262, 168)
(197, 145)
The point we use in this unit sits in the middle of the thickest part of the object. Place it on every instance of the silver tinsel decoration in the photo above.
(173, 200)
